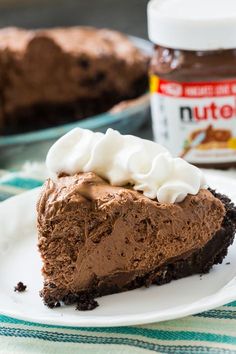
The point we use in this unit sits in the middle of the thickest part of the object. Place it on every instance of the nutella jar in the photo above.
(193, 79)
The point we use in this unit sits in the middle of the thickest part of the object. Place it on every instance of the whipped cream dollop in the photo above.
(126, 159)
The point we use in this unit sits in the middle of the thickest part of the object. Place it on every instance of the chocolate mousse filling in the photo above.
(97, 239)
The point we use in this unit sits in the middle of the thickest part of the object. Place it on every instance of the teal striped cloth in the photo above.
(209, 332)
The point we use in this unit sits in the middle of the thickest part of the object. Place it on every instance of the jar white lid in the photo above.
(193, 24)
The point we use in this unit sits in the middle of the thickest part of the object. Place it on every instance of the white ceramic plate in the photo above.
(20, 261)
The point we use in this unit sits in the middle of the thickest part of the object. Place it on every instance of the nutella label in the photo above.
(195, 120)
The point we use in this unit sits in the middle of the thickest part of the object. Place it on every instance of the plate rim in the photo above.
(224, 295)
(108, 321)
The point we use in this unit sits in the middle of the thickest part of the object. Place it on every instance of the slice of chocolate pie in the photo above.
(119, 213)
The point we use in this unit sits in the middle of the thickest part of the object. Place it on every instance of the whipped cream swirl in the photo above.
(123, 159)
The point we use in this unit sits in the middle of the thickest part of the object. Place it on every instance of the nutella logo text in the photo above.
(211, 111)
(196, 120)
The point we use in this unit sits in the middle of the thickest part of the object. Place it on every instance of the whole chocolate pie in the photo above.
(119, 213)
(53, 76)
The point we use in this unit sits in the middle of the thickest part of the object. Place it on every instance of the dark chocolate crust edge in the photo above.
(45, 115)
(199, 262)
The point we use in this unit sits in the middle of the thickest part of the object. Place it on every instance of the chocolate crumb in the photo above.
(227, 263)
(20, 287)
(89, 305)
(52, 305)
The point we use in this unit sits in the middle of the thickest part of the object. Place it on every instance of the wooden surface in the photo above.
(125, 15)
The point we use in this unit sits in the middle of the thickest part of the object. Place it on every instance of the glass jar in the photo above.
(193, 79)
